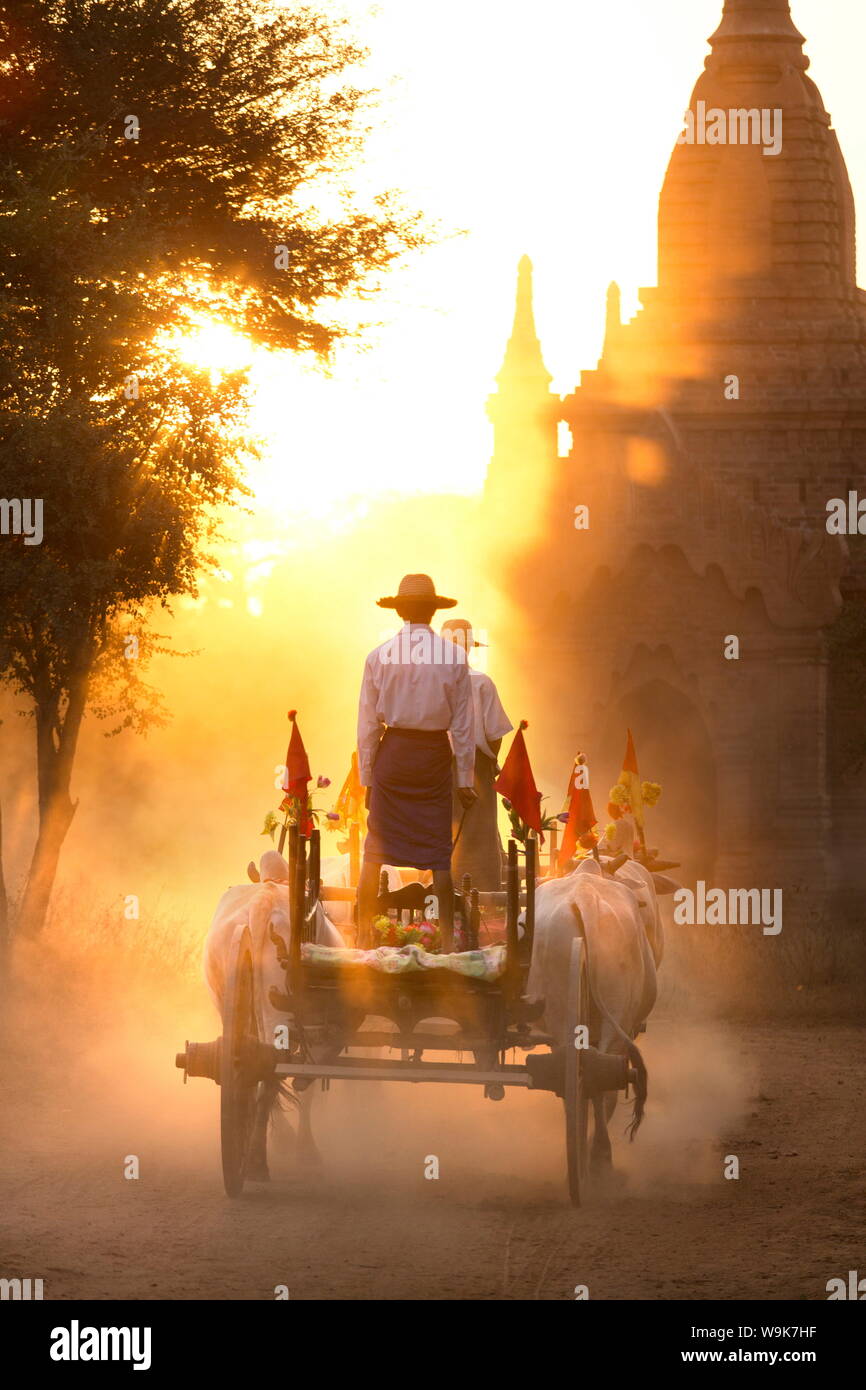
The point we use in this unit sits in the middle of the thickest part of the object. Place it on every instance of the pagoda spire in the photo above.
(613, 316)
(523, 410)
(743, 20)
(739, 217)
(523, 356)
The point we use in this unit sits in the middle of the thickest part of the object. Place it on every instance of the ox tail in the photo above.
(640, 1087)
(632, 1052)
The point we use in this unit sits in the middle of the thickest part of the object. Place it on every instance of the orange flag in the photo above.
(630, 778)
(516, 783)
(581, 817)
(297, 776)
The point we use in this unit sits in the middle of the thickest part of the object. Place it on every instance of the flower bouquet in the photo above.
(425, 934)
(519, 829)
(297, 809)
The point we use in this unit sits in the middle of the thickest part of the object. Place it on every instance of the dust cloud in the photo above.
(171, 821)
(118, 1019)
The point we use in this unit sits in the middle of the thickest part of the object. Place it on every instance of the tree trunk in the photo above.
(56, 809)
(53, 827)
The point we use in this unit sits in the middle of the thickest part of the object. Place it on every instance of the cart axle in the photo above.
(360, 1069)
(205, 1059)
(600, 1071)
(200, 1059)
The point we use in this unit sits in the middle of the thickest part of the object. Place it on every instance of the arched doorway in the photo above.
(673, 748)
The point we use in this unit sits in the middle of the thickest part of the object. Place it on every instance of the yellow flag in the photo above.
(350, 803)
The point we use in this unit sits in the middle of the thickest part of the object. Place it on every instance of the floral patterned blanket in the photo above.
(485, 964)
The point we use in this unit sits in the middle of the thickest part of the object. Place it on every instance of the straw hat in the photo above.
(459, 631)
(417, 589)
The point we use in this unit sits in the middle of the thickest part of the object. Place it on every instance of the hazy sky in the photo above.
(543, 128)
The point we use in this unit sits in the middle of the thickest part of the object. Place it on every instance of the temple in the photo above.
(706, 445)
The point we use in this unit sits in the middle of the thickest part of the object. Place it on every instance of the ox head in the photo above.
(272, 868)
(662, 882)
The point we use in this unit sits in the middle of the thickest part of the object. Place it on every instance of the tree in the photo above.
(157, 158)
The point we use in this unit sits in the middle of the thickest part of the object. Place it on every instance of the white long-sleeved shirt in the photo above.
(491, 721)
(417, 680)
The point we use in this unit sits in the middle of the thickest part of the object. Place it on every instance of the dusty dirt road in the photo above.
(495, 1224)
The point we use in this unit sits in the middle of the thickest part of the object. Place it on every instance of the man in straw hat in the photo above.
(477, 848)
(415, 691)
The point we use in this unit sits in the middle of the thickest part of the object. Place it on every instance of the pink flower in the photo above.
(323, 781)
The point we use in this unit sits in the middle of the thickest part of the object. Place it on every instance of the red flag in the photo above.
(581, 818)
(297, 776)
(517, 784)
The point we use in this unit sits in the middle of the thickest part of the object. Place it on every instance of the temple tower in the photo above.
(707, 443)
(524, 411)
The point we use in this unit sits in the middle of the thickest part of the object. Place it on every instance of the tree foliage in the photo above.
(154, 157)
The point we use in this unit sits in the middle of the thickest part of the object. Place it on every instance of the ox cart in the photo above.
(331, 997)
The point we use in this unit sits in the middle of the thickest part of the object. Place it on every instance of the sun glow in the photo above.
(212, 346)
(524, 151)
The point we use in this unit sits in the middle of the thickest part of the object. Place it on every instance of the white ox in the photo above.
(335, 872)
(620, 921)
(260, 906)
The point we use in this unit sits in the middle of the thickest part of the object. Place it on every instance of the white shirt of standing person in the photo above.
(417, 680)
(491, 721)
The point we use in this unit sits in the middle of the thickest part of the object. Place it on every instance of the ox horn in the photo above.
(613, 864)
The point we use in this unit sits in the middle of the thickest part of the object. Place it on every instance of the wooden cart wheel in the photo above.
(238, 1081)
(574, 1097)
